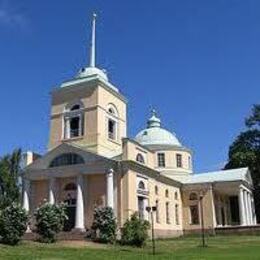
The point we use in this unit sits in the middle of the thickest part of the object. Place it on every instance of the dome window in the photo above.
(161, 160)
(179, 160)
(156, 190)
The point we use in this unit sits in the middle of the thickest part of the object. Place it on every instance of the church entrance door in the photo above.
(70, 202)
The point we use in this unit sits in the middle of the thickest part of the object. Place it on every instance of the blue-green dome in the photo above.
(155, 135)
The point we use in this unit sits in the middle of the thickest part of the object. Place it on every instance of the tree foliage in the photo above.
(135, 231)
(13, 224)
(9, 174)
(50, 219)
(104, 225)
(245, 152)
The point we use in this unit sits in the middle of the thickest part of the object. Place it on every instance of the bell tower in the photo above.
(88, 110)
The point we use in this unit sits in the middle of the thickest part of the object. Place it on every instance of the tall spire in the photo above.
(92, 61)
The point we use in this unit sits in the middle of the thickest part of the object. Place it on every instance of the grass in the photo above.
(219, 247)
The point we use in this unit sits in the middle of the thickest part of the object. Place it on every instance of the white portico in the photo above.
(70, 183)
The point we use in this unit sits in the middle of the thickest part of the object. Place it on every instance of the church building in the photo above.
(91, 162)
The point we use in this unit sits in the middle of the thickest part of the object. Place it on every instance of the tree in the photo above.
(9, 174)
(245, 152)
(104, 225)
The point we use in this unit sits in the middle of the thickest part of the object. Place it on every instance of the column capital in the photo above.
(110, 171)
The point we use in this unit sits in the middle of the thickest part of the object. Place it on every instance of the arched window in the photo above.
(73, 120)
(139, 158)
(193, 196)
(75, 107)
(70, 186)
(167, 193)
(112, 123)
(66, 159)
(141, 185)
(156, 190)
(176, 195)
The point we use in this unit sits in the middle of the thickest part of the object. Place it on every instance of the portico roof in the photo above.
(240, 174)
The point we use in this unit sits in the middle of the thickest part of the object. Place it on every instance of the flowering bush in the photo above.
(50, 220)
(104, 225)
(13, 224)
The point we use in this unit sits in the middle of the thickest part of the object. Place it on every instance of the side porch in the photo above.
(234, 204)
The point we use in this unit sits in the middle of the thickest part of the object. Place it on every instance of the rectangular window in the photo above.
(189, 159)
(167, 212)
(161, 159)
(179, 160)
(74, 127)
(177, 214)
(194, 214)
(157, 211)
(141, 208)
(111, 129)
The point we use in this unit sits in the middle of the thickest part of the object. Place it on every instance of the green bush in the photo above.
(135, 231)
(50, 220)
(104, 225)
(13, 224)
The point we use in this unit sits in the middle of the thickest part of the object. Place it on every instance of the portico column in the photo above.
(246, 207)
(242, 207)
(67, 128)
(79, 223)
(26, 201)
(250, 209)
(253, 210)
(110, 188)
(26, 191)
(52, 182)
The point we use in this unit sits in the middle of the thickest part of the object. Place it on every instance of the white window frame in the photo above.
(179, 159)
(68, 116)
(160, 160)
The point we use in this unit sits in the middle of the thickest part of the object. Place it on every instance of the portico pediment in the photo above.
(89, 163)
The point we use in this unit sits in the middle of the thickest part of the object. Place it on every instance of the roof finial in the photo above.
(153, 121)
(92, 61)
(153, 111)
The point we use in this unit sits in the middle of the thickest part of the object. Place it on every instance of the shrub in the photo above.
(135, 231)
(50, 220)
(13, 224)
(104, 225)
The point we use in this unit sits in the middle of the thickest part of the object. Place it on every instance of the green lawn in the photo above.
(220, 247)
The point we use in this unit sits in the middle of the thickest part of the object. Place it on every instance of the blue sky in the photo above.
(196, 62)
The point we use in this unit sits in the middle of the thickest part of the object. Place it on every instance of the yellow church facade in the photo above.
(91, 162)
